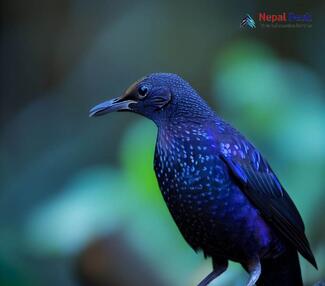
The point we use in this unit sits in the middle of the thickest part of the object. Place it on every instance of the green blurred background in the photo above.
(79, 204)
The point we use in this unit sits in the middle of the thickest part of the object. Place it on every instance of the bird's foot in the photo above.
(254, 269)
(218, 269)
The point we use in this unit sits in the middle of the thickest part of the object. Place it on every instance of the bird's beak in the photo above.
(116, 104)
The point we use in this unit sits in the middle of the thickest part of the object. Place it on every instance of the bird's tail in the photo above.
(281, 271)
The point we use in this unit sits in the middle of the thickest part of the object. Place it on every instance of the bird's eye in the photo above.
(142, 91)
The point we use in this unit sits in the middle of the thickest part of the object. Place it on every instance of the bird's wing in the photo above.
(263, 189)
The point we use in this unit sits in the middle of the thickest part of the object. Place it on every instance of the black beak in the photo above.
(116, 104)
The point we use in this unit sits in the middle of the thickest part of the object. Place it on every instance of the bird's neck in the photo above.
(183, 134)
(192, 111)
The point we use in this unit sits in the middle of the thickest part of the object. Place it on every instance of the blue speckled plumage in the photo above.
(221, 192)
(210, 210)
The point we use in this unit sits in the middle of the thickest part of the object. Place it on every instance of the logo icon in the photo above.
(248, 22)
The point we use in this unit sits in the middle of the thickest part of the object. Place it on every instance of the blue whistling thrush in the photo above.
(221, 192)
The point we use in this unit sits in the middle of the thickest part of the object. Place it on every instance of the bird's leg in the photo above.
(254, 270)
(219, 266)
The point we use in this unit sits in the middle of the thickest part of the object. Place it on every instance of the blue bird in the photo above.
(248, 21)
(220, 191)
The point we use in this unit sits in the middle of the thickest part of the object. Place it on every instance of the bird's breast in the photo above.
(194, 184)
(206, 204)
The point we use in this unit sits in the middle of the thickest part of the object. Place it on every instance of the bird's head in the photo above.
(158, 96)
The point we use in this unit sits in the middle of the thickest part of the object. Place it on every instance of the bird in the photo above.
(248, 21)
(224, 197)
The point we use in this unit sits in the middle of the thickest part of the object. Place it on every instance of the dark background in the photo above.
(79, 203)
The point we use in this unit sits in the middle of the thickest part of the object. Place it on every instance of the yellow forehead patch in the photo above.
(131, 88)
